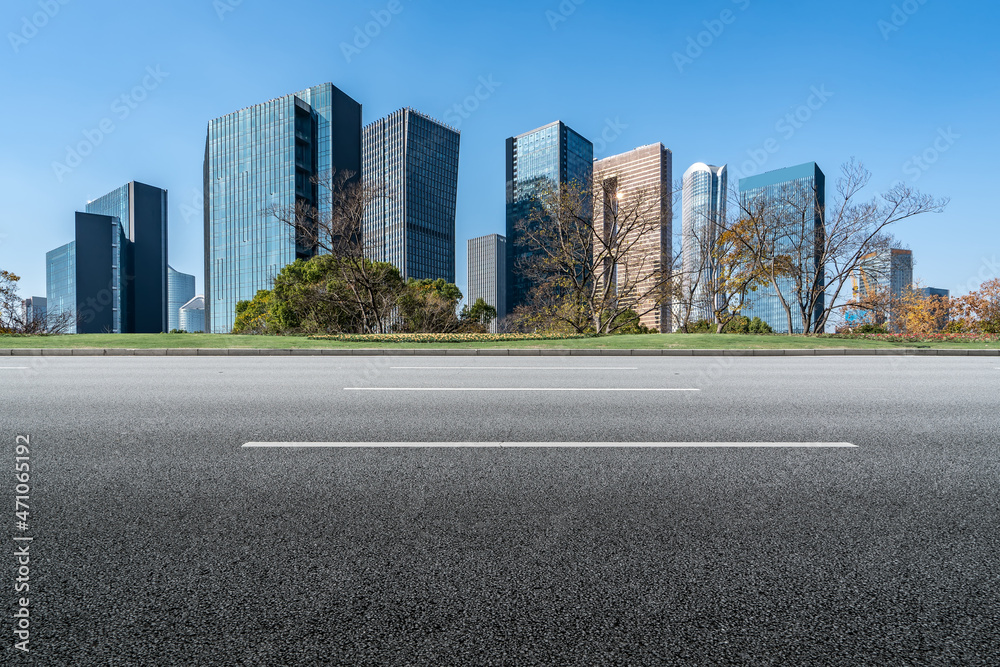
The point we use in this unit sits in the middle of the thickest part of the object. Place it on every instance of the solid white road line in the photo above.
(506, 389)
(13, 368)
(574, 445)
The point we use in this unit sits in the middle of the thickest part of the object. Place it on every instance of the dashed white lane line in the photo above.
(513, 368)
(602, 389)
(13, 368)
(528, 445)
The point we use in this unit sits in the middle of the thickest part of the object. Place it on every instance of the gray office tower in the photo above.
(138, 256)
(270, 156)
(415, 159)
(545, 158)
(180, 290)
(488, 273)
(790, 196)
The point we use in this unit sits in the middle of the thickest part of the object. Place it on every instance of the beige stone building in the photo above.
(635, 190)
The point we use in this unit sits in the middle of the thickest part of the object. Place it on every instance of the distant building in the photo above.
(549, 157)
(705, 191)
(113, 277)
(264, 157)
(140, 263)
(192, 315)
(790, 194)
(60, 285)
(415, 158)
(934, 291)
(884, 276)
(488, 273)
(33, 309)
(180, 290)
(643, 175)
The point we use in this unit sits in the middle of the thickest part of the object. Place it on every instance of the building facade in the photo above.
(881, 280)
(413, 160)
(543, 159)
(261, 160)
(488, 274)
(634, 191)
(139, 280)
(704, 211)
(191, 315)
(33, 309)
(60, 285)
(180, 290)
(793, 200)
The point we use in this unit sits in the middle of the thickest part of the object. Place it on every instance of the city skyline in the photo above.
(838, 106)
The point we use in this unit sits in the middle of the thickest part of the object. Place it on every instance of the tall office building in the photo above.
(705, 191)
(266, 157)
(60, 285)
(141, 213)
(549, 157)
(33, 309)
(794, 198)
(488, 273)
(180, 290)
(113, 277)
(642, 181)
(415, 159)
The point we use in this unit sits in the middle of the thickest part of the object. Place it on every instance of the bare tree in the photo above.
(14, 318)
(333, 225)
(590, 268)
(809, 251)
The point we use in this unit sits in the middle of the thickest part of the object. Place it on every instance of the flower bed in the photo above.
(921, 338)
(442, 338)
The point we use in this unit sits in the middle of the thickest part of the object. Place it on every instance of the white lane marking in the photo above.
(13, 368)
(506, 389)
(513, 368)
(575, 445)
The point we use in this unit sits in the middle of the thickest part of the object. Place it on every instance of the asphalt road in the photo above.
(160, 540)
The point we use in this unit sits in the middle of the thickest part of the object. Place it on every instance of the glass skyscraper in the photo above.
(192, 315)
(180, 290)
(415, 159)
(139, 266)
(33, 309)
(549, 157)
(60, 284)
(488, 273)
(259, 159)
(705, 188)
(794, 199)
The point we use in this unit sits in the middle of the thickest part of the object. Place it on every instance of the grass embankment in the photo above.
(653, 341)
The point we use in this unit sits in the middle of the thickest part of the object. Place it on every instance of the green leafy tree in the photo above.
(429, 306)
(254, 317)
(478, 317)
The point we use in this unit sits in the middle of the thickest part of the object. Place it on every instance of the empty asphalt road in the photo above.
(159, 538)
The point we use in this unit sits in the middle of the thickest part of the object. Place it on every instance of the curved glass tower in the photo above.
(705, 189)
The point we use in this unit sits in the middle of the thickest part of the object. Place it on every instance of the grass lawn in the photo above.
(654, 341)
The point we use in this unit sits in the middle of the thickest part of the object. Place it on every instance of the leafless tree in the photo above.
(596, 253)
(333, 225)
(809, 251)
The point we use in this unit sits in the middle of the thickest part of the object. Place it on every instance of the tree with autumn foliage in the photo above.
(979, 311)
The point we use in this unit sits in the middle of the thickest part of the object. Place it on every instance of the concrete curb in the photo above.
(513, 352)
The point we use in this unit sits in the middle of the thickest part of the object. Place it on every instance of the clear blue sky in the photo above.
(604, 68)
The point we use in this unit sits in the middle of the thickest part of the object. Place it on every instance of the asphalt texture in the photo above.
(160, 540)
